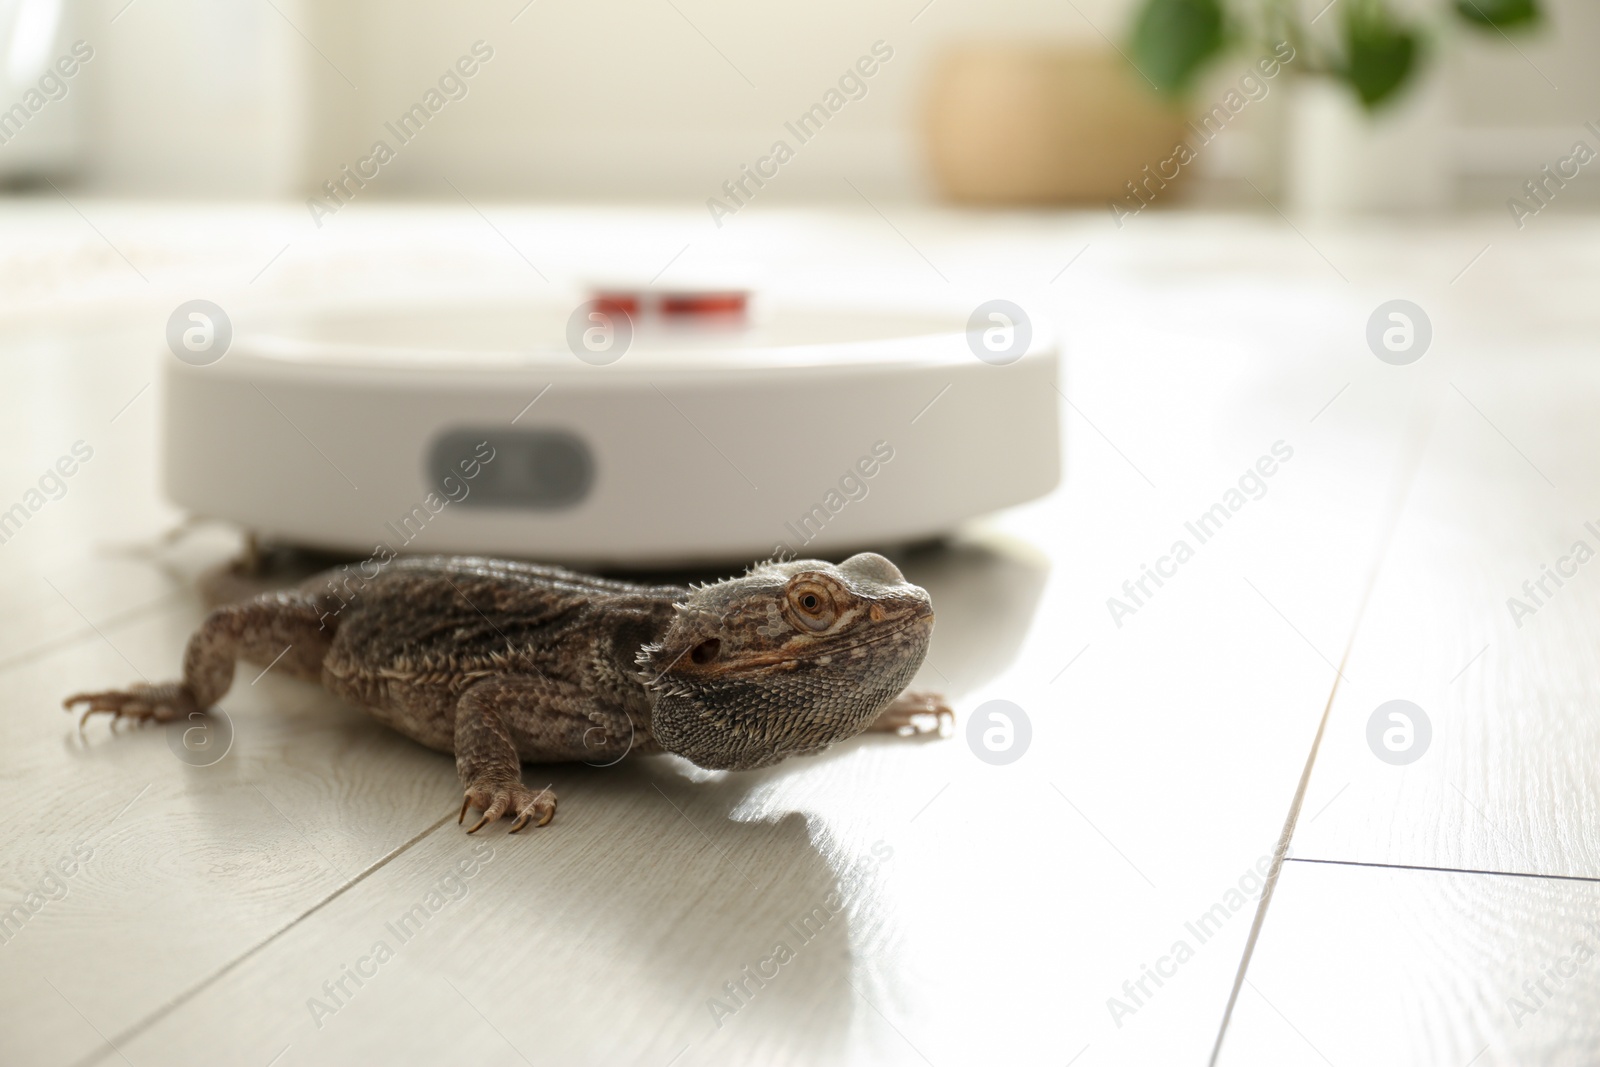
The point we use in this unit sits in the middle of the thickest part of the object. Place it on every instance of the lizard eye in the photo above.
(706, 651)
(813, 604)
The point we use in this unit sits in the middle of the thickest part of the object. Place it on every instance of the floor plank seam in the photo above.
(1402, 492)
(1444, 870)
(22, 659)
(128, 1033)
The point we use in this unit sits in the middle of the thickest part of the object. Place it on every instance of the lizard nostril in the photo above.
(706, 651)
(875, 612)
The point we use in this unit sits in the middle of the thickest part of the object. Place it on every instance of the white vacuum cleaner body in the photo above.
(614, 435)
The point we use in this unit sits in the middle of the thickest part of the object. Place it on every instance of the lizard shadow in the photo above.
(986, 593)
(739, 919)
(725, 937)
(718, 910)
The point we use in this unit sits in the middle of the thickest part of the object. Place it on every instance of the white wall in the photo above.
(206, 98)
(630, 98)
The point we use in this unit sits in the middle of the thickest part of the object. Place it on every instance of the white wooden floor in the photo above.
(1095, 902)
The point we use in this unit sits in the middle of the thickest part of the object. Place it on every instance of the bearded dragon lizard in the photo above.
(503, 663)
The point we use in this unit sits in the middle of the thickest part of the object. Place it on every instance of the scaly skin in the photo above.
(503, 663)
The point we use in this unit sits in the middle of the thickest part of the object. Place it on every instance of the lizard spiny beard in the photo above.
(744, 723)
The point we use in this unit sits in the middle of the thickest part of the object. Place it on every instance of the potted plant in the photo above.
(1358, 138)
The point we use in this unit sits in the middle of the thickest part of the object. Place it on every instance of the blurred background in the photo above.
(653, 100)
(1219, 205)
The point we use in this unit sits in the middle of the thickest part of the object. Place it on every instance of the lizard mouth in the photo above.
(779, 659)
(925, 621)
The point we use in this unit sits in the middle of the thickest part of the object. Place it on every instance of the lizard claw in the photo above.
(497, 799)
(543, 806)
(140, 702)
(915, 713)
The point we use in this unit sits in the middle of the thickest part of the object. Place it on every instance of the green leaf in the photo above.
(1173, 39)
(1379, 55)
(1499, 14)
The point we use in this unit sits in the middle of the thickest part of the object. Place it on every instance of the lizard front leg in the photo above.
(502, 721)
(487, 759)
(914, 712)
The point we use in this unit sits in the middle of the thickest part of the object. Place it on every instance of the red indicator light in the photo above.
(703, 304)
(713, 304)
(626, 303)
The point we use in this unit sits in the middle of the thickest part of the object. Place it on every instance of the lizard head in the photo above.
(784, 661)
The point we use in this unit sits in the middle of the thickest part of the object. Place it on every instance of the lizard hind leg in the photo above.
(141, 702)
(283, 630)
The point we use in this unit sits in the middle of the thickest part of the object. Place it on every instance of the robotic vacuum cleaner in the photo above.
(638, 429)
